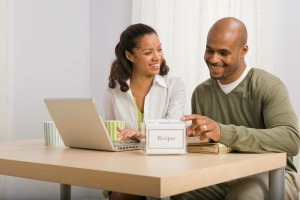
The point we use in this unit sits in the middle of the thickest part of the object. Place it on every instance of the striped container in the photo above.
(111, 126)
(52, 137)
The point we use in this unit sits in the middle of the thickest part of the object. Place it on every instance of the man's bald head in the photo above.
(226, 47)
(229, 27)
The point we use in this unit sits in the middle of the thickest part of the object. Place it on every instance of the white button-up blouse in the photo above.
(165, 100)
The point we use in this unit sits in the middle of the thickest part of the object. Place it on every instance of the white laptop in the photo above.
(80, 125)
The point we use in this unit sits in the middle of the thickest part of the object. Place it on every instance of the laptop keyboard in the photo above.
(118, 144)
(127, 146)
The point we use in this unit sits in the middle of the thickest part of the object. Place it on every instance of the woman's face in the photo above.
(148, 56)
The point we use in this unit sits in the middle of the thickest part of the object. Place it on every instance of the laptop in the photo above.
(80, 125)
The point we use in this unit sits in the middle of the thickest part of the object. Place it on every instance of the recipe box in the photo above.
(165, 136)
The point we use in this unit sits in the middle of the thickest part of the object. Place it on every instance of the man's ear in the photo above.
(129, 56)
(244, 50)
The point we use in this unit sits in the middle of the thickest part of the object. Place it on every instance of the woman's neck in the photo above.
(140, 86)
(141, 81)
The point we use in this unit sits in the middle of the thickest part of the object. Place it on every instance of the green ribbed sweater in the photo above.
(255, 117)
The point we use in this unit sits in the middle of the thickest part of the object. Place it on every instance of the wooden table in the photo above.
(133, 172)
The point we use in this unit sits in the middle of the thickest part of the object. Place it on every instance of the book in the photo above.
(204, 147)
(194, 139)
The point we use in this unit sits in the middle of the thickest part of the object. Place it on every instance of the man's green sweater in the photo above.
(255, 117)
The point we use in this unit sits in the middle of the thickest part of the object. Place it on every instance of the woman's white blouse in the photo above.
(165, 100)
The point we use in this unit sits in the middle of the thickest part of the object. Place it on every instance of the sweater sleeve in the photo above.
(281, 133)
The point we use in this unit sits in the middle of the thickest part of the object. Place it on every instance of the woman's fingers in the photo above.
(127, 133)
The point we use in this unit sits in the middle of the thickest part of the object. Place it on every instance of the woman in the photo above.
(139, 85)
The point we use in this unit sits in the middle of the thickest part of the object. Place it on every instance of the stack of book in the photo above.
(194, 145)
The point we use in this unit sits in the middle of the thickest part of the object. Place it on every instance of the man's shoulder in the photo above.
(205, 87)
(264, 77)
(206, 84)
(263, 84)
(262, 73)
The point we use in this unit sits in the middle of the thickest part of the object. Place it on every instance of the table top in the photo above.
(131, 171)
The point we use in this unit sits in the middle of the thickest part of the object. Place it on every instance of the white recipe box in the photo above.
(165, 137)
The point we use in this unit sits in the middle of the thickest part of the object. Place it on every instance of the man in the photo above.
(245, 108)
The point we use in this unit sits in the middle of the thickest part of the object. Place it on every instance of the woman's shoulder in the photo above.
(172, 80)
(113, 91)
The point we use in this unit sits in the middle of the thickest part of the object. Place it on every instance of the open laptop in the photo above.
(80, 125)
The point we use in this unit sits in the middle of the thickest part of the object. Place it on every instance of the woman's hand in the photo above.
(128, 133)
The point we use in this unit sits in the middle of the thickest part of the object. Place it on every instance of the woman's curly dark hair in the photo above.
(121, 68)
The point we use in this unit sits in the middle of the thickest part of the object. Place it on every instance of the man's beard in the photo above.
(219, 77)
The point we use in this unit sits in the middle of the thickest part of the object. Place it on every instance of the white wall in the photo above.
(51, 59)
(109, 19)
(62, 48)
(286, 50)
(286, 47)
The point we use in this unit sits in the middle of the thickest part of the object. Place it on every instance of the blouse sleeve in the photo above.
(108, 105)
(177, 98)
